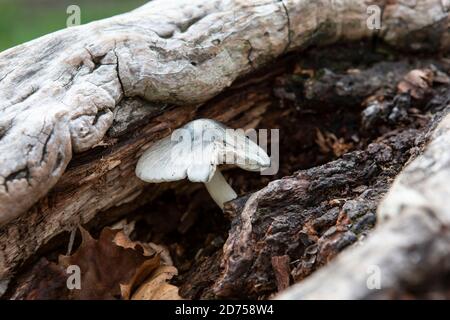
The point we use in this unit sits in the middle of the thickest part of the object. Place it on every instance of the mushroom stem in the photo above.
(219, 189)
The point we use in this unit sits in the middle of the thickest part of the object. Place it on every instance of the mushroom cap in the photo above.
(195, 152)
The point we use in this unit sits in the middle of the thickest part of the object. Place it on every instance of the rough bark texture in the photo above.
(60, 94)
(409, 250)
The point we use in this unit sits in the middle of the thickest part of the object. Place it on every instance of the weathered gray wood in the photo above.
(60, 94)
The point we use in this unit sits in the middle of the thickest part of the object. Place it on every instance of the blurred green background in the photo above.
(24, 20)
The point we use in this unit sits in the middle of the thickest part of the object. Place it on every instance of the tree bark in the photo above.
(409, 250)
(80, 105)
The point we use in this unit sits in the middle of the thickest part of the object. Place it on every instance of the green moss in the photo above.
(24, 20)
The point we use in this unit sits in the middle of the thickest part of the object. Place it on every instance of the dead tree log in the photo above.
(409, 250)
(85, 102)
(296, 225)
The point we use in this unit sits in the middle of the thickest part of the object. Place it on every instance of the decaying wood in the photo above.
(60, 94)
(311, 216)
(409, 250)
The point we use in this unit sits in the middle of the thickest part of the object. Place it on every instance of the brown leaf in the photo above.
(156, 286)
(140, 275)
(106, 266)
(150, 249)
(124, 226)
(416, 82)
(322, 142)
(121, 239)
(328, 142)
(298, 70)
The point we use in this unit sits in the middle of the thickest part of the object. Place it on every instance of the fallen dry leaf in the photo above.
(107, 268)
(156, 286)
(140, 275)
(298, 70)
(157, 280)
(328, 142)
(112, 267)
(416, 82)
(124, 226)
(150, 249)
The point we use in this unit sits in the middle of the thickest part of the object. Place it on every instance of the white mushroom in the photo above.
(195, 151)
